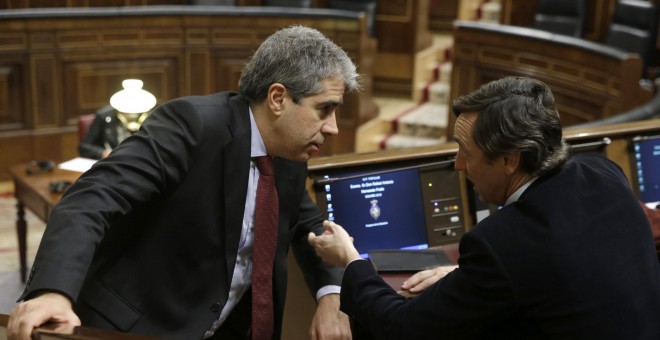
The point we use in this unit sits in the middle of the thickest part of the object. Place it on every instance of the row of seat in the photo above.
(633, 27)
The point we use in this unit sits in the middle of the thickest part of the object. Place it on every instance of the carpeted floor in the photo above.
(10, 282)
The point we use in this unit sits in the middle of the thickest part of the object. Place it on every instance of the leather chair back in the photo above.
(84, 122)
(367, 6)
(565, 17)
(634, 28)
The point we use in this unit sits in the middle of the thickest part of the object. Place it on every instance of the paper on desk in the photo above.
(653, 205)
(79, 164)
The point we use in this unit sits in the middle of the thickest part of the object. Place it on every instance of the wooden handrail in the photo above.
(55, 331)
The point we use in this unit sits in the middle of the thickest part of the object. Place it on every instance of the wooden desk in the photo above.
(33, 192)
(82, 333)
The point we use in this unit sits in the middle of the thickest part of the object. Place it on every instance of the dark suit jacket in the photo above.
(146, 240)
(573, 258)
(102, 131)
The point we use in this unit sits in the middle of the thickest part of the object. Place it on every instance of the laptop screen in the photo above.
(646, 168)
(393, 206)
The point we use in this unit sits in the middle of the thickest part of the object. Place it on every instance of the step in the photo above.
(439, 92)
(445, 72)
(428, 120)
(397, 141)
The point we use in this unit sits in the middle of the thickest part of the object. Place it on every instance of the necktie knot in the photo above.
(265, 165)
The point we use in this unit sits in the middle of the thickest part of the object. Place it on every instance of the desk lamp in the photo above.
(132, 104)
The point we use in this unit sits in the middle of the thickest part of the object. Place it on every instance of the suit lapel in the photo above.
(236, 174)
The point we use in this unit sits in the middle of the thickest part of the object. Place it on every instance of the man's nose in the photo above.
(329, 126)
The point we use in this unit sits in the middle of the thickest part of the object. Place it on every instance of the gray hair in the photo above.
(299, 58)
(517, 113)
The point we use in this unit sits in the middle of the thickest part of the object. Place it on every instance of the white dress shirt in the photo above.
(242, 277)
(516, 194)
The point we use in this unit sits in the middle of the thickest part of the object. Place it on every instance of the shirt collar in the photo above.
(257, 147)
(516, 195)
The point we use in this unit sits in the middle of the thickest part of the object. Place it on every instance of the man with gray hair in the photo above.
(569, 255)
(183, 230)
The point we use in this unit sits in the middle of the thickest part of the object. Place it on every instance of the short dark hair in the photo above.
(517, 113)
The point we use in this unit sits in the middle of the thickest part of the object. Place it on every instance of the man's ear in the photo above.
(276, 98)
(512, 162)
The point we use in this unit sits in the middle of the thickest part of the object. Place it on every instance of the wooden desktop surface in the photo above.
(70, 332)
(33, 192)
(396, 279)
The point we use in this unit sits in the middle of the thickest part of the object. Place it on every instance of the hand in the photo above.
(47, 307)
(334, 246)
(422, 280)
(329, 322)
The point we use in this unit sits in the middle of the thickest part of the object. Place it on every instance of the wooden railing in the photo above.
(51, 332)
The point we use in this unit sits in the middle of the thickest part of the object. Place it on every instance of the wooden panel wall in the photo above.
(589, 81)
(402, 30)
(58, 65)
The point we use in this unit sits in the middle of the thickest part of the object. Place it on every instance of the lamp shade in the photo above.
(132, 99)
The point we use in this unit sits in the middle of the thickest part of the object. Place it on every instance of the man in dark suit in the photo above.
(158, 237)
(568, 256)
(104, 134)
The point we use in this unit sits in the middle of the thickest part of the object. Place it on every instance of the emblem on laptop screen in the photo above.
(374, 211)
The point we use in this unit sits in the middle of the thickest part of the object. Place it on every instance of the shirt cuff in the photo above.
(325, 290)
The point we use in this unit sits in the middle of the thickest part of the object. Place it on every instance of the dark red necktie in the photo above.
(265, 239)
